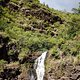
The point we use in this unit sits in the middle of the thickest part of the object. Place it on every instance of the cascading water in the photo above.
(39, 66)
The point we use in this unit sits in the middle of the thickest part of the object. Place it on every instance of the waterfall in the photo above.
(39, 66)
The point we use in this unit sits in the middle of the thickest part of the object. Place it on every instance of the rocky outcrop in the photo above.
(4, 2)
(63, 70)
(39, 13)
(13, 6)
(10, 74)
(42, 14)
(4, 50)
(4, 47)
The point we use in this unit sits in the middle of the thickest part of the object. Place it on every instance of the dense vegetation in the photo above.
(28, 27)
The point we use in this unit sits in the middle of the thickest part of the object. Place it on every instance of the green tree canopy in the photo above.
(76, 10)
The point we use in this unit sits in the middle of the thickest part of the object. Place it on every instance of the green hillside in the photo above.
(28, 28)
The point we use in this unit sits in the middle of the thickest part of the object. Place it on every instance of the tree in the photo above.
(76, 10)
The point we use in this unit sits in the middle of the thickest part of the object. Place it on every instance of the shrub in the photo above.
(2, 64)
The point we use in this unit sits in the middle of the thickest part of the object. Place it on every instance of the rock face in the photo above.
(4, 48)
(65, 76)
(60, 70)
(4, 2)
(10, 74)
(47, 16)
(13, 7)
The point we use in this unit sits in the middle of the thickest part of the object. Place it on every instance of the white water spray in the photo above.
(39, 66)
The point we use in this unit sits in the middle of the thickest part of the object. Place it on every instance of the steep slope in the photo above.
(27, 28)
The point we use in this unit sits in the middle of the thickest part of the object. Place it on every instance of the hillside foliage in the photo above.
(26, 26)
